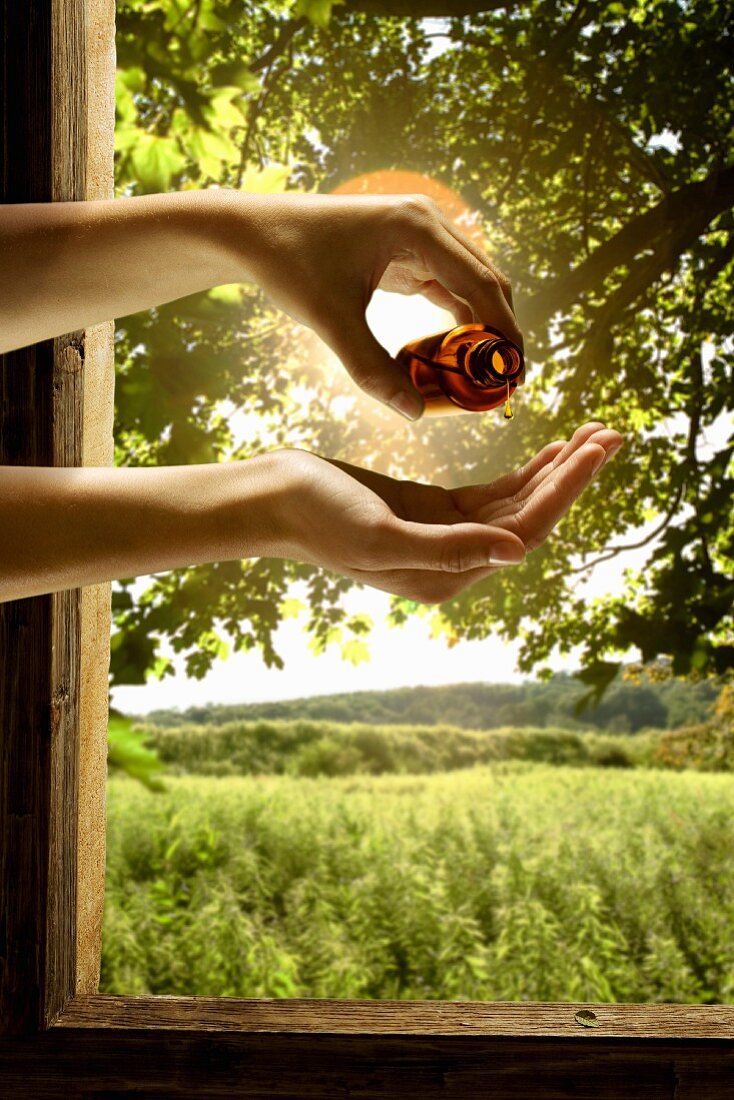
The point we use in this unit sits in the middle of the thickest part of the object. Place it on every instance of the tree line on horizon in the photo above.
(626, 708)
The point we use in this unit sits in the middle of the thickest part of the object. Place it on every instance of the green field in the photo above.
(513, 881)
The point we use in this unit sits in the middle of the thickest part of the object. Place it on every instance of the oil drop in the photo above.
(509, 414)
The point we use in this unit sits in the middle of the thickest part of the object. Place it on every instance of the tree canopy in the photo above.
(594, 142)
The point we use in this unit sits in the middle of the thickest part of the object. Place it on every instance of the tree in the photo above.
(629, 708)
(604, 182)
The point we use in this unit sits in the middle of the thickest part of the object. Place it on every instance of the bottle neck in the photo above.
(493, 362)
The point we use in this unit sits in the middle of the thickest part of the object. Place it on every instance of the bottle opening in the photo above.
(494, 361)
(505, 361)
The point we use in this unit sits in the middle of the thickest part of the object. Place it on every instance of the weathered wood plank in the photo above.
(42, 156)
(663, 1022)
(181, 1047)
(97, 450)
(97, 1062)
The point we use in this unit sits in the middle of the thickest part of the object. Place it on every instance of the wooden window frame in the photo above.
(58, 1036)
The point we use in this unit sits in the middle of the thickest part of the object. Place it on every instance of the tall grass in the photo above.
(518, 881)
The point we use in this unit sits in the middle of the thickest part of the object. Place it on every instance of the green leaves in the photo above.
(155, 160)
(236, 74)
(210, 151)
(599, 675)
(317, 12)
(128, 753)
(355, 652)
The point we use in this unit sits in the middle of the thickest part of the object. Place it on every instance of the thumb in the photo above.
(450, 548)
(373, 368)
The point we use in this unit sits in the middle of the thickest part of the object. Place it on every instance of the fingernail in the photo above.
(506, 553)
(599, 465)
(407, 404)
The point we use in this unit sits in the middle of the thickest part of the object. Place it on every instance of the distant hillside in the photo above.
(627, 707)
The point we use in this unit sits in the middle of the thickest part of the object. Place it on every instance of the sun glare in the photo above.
(397, 318)
(395, 181)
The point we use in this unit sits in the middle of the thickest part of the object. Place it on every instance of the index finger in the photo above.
(459, 270)
(480, 254)
(469, 498)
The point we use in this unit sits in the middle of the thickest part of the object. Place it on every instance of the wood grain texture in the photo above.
(41, 146)
(429, 1018)
(97, 450)
(100, 1062)
(184, 1047)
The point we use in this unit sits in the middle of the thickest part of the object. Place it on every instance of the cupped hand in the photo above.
(321, 257)
(422, 541)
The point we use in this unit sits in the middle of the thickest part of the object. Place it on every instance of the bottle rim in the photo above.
(494, 362)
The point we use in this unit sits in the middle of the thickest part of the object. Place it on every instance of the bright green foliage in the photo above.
(317, 11)
(299, 747)
(595, 143)
(515, 882)
(330, 748)
(128, 751)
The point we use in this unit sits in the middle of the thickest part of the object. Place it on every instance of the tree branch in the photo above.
(547, 69)
(281, 44)
(613, 551)
(279, 47)
(694, 205)
(643, 274)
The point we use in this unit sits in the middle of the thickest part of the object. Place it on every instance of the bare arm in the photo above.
(66, 266)
(70, 265)
(67, 527)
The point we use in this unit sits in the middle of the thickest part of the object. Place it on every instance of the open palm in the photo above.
(527, 503)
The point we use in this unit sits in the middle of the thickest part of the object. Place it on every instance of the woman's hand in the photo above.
(73, 265)
(422, 541)
(419, 541)
(321, 257)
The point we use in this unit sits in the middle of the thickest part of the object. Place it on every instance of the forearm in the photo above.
(64, 527)
(66, 266)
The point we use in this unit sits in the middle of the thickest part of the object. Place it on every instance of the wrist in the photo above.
(236, 225)
(278, 483)
(246, 516)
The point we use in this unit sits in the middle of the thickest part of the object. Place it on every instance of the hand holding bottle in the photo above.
(318, 257)
(321, 257)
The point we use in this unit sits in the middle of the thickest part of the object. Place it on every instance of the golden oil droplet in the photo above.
(508, 408)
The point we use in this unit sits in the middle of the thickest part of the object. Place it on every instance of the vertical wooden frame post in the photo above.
(41, 425)
(58, 1036)
(55, 410)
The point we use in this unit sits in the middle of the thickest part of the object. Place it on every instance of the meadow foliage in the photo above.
(517, 881)
(308, 748)
(321, 748)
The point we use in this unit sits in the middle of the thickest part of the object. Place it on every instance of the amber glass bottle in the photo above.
(468, 369)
